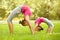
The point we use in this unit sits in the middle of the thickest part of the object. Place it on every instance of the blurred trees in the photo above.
(40, 8)
(2, 13)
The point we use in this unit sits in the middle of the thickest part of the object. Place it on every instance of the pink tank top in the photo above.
(26, 10)
(39, 20)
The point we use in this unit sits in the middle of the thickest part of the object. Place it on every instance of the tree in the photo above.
(2, 13)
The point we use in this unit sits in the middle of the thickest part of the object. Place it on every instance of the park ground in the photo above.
(23, 32)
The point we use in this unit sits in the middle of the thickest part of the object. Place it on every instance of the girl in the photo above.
(39, 20)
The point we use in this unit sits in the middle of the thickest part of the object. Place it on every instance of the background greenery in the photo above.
(46, 8)
(23, 32)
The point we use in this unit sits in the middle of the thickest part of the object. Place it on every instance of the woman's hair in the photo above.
(23, 22)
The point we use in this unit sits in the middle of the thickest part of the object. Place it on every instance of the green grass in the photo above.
(23, 33)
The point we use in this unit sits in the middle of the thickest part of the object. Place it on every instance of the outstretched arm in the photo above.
(28, 21)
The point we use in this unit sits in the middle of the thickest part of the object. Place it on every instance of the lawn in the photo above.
(23, 33)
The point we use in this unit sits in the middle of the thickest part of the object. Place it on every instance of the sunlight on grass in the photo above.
(23, 33)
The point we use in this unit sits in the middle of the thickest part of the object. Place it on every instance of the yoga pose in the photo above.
(39, 20)
(25, 10)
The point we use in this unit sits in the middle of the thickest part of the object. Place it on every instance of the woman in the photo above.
(25, 10)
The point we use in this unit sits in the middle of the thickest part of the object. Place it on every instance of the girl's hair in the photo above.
(39, 28)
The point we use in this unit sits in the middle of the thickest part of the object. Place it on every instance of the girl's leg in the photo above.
(49, 29)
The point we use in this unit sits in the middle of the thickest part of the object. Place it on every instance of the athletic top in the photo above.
(26, 10)
(21, 8)
(39, 20)
(42, 19)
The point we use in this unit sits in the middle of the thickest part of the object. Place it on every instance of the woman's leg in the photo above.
(29, 23)
(10, 17)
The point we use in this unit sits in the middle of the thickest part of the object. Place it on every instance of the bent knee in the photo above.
(9, 20)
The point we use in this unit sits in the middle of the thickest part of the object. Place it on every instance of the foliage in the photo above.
(46, 8)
